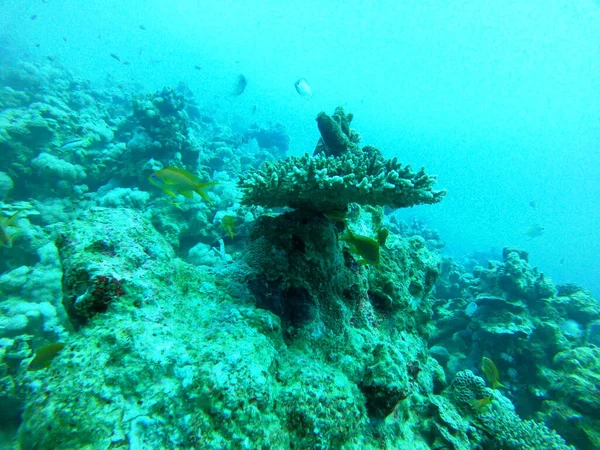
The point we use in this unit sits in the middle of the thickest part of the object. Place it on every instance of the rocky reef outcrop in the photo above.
(541, 337)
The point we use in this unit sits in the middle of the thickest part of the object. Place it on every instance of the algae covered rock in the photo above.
(100, 257)
(385, 384)
(336, 135)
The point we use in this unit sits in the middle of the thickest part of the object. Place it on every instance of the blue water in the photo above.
(501, 101)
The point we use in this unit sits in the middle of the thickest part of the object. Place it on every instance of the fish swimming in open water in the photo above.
(112, 55)
(240, 85)
(173, 181)
(534, 232)
(303, 88)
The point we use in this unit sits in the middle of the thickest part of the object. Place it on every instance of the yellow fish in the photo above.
(491, 372)
(534, 231)
(228, 223)
(365, 247)
(6, 238)
(175, 181)
(44, 356)
(481, 403)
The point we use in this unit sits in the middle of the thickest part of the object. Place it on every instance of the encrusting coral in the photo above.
(339, 173)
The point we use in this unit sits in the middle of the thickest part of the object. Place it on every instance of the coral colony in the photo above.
(284, 307)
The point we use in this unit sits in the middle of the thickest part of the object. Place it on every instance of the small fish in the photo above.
(228, 223)
(50, 58)
(112, 55)
(175, 181)
(126, 63)
(562, 261)
(491, 372)
(44, 356)
(303, 88)
(6, 238)
(37, 45)
(336, 216)
(481, 403)
(240, 86)
(142, 27)
(34, 17)
(534, 232)
(382, 236)
(197, 67)
(533, 204)
(254, 109)
(64, 39)
(363, 246)
(74, 142)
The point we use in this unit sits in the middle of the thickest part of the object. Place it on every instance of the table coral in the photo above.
(323, 183)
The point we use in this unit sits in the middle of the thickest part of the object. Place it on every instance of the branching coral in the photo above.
(326, 183)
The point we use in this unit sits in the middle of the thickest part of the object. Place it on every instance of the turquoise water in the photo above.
(256, 327)
(500, 100)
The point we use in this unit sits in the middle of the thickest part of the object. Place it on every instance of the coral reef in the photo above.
(324, 183)
(538, 333)
(180, 329)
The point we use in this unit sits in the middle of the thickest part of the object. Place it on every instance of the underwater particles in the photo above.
(240, 86)
(303, 88)
(6, 238)
(173, 181)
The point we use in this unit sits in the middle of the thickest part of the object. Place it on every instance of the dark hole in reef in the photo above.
(438, 386)
(431, 278)
(298, 244)
(415, 289)
(348, 294)
(293, 305)
(10, 415)
(379, 302)
(267, 294)
(299, 306)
